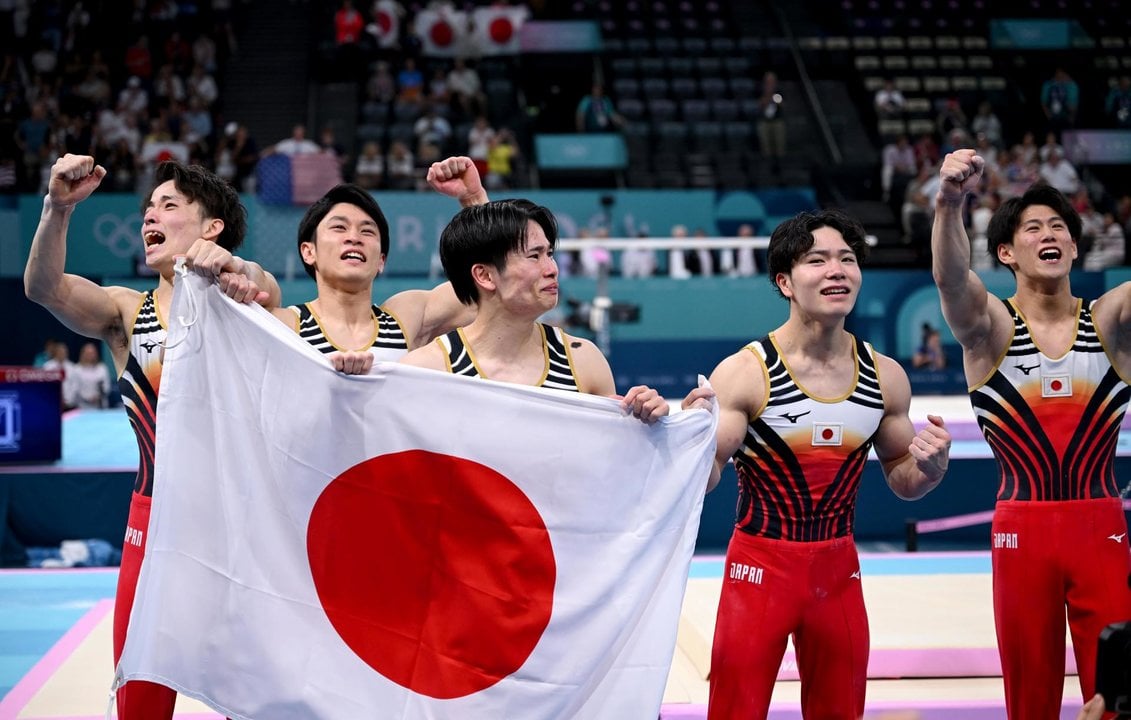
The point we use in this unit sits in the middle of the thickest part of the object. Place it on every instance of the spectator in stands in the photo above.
(689, 260)
(594, 255)
(479, 143)
(431, 129)
(202, 85)
(204, 52)
(771, 124)
(178, 53)
(596, 114)
(381, 86)
(329, 145)
(987, 123)
(502, 153)
(61, 360)
(466, 89)
(1051, 144)
(898, 167)
(348, 24)
(168, 87)
(929, 355)
(89, 379)
(950, 118)
(439, 96)
(1109, 246)
(745, 265)
(410, 83)
(979, 227)
(245, 155)
(1060, 97)
(197, 122)
(31, 138)
(369, 172)
(1059, 173)
(916, 212)
(1027, 151)
(638, 261)
(926, 149)
(1118, 103)
(889, 101)
(134, 98)
(296, 144)
(401, 167)
(139, 60)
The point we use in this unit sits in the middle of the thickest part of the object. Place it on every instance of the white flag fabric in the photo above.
(442, 31)
(406, 544)
(496, 28)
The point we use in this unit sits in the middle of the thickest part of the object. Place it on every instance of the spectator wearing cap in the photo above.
(133, 98)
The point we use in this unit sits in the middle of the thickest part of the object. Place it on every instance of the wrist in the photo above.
(478, 197)
(49, 204)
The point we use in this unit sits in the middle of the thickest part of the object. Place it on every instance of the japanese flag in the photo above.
(406, 544)
(386, 25)
(442, 32)
(496, 29)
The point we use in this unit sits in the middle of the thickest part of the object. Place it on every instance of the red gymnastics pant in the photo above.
(137, 699)
(775, 588)
(1048, 556)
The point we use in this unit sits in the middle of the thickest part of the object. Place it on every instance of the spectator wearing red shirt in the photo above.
(348, 24)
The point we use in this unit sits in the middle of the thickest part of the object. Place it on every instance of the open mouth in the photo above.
(1049, 254)
(153, 237)
(835, 291)
(353, 255)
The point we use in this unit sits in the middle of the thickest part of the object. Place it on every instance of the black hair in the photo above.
(349, 194)
(794, 237)
(1005, 221)
(486, 234)
(217, 199)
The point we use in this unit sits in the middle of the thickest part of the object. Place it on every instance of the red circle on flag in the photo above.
(435, 570)
(501, 29)
(827, 434)
(1055, 385)
(441, 34)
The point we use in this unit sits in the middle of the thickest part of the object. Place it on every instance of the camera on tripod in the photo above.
(1113, 668)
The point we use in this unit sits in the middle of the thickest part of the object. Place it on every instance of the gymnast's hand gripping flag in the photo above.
(406, 544)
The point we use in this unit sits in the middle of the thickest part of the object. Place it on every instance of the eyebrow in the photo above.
(343, 218)
(163, 198)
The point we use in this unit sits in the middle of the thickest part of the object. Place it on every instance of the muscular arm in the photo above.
(913, 464)
(740, 386)
(965, 301)
(78, 303)
(427, 314)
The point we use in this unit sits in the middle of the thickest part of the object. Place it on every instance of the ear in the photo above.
(212, 228)
(1075, 249)
(784, 283)
(484, 276)
(381, 264)
(306, 252)
(1005, 253)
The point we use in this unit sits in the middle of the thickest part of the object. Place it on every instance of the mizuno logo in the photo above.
(1118, 538)
(794, 418)
(149, 345)
(855, 575)
(1028, 369)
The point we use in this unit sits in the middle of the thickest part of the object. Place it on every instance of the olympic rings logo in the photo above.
(121, 236)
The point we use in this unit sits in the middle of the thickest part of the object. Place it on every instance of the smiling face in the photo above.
(347, 246)
(825, 279)
(1042, 244)
(171, 224)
